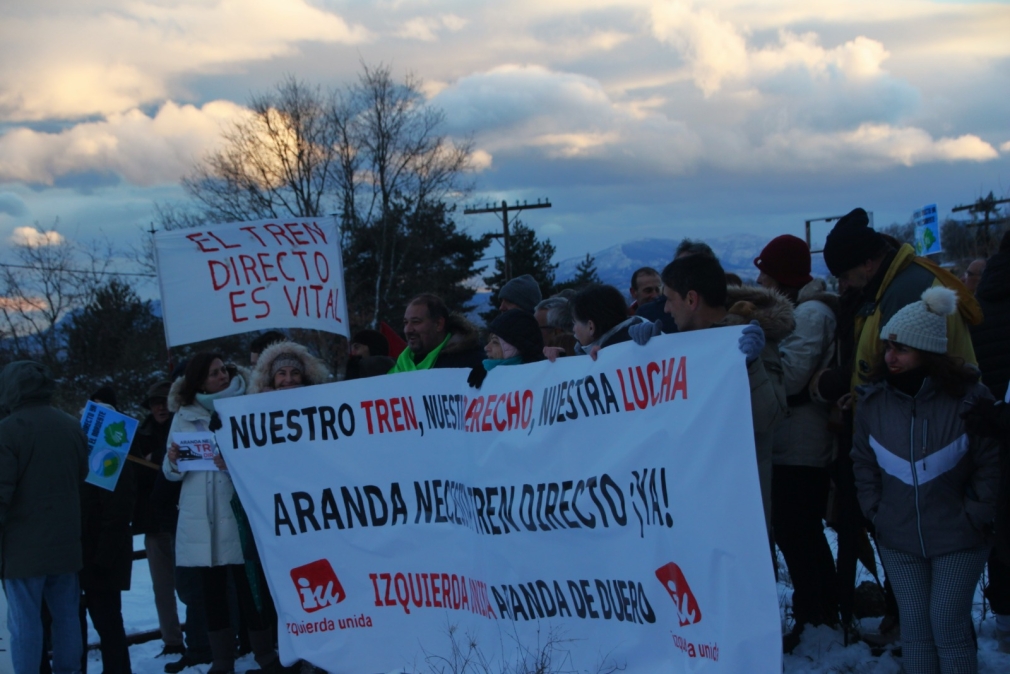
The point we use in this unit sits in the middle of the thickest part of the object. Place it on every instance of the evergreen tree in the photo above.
(116, 340)
(585, 274)
(527, 255)
(435, 257)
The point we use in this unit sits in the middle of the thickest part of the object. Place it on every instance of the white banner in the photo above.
(600, 514)
(220, 280)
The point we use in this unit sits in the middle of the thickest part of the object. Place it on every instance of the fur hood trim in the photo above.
(772, 310)
(314, 370)
(817, 291)
(175, 393)
(465, 336)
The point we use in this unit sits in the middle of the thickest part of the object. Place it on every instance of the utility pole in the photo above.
(504, 210)
(985, 205)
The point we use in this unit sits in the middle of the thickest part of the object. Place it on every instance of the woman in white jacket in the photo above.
(207, 535)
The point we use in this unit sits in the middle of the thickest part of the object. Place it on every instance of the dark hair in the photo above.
(641, 270)
(436, 307)
(265, 340)
(376, 342)
(602, 304)
(105, 394)
(1004, 243)
(700, 273)
(688, 247)
(733, 280)
(196, 373)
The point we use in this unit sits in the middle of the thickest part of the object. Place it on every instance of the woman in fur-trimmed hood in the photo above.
(287, 365)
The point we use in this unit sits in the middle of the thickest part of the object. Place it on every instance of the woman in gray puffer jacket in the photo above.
(926, 484)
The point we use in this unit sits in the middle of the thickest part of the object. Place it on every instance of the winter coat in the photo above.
(107, 538)
(803, 438)
(991, 339)
(928, 487)
(774, 313)
(156, 507)
(463, 349)
(43, 460)
(207, 534)
(313, 370)
(906, 278)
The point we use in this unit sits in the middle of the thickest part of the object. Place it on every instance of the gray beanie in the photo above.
(523, 291)
(923, 325)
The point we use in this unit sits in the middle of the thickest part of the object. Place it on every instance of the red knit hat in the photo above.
(786, 259)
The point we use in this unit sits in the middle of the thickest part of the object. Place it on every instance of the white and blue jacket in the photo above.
(928, 487)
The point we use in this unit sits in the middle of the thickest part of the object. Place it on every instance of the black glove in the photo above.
(986, 418)
(477, 376)
(215, 422)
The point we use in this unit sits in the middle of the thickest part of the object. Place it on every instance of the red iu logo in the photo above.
(317, 585)
(675, 583)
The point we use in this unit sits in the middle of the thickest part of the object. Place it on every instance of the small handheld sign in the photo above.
(110, 435)
(927, 231)
(196, 451)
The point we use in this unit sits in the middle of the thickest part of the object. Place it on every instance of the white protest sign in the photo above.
(110, 435)
(927, 231)
(220, 280)
(196, 451)
(607, 514)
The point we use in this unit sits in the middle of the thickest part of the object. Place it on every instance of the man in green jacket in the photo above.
(43, 459)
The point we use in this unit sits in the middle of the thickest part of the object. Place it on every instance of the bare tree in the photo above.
(48, 278)
(276, 162)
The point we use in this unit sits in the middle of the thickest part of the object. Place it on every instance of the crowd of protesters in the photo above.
(876, 408)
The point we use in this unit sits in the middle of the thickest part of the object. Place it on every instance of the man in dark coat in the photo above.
(992, 347)
(43, 459)
(437, 338)
(107, 541)
(156, 511)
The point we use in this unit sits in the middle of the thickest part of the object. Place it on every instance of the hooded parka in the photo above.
(207, 534)
(43, 460)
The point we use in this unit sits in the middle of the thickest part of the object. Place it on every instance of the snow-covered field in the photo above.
(821, 650)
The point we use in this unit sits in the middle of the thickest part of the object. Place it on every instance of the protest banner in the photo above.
(602, 514)
(110, 435)
(196, 451)
(927, 231)
(220, 280)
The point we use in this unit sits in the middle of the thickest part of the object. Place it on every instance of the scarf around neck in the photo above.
(235, 388)
(405, 362)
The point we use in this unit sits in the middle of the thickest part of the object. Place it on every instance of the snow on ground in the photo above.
(820, 651)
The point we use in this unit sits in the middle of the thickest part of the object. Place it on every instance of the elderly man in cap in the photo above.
(522, 292)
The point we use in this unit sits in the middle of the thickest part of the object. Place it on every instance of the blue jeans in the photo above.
(62, 594)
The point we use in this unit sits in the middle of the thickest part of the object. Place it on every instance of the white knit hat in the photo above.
(923, 325)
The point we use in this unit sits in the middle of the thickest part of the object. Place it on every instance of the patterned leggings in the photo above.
(934, 603)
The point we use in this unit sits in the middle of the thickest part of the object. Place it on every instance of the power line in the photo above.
(504, 210)
(77, 271)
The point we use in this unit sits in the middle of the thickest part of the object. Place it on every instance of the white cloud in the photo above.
(143, 150)
(33, 238)
(103, 57)
(871, 146)
(480, 160)
(427, 29)
(1005, 147)
(563, 116)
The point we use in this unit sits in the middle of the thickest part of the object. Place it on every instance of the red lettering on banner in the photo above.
(432, 590)
(393, 415)
(236, 305)
(198, 239)
(223, 244)
(654, 384)
(252, 230)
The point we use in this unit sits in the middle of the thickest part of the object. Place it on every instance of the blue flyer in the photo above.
(109, 437)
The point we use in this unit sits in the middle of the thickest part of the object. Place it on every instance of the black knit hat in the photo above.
(851, 242)
(377, 344)
(522, 331)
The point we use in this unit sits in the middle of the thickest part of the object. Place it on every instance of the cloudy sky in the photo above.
(637, 118)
